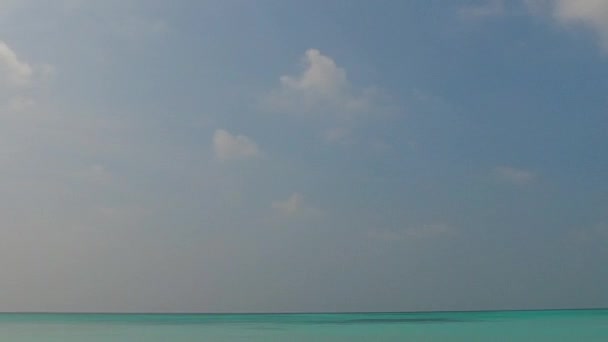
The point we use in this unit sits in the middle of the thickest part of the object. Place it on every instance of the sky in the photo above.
(289, 156)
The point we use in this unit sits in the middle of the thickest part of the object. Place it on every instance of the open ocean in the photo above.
(537, 326)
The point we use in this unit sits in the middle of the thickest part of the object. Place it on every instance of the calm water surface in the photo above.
(538, 326)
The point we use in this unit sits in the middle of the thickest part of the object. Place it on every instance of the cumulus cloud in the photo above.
(322, 86)
(589, 14)
(295, 206)
(321, 75)
(18, 79)
(232, 147)
(13, 71)
(514, 175)
(592, 14)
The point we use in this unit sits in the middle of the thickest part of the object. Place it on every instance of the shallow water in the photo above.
(538, 326)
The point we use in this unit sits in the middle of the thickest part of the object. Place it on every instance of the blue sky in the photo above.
(223, 156)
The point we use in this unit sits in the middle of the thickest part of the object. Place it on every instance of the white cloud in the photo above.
(322, 75)
(489, 8)
(513, 175)
(13, 71)
(231, 147)
(18, 80)
(592, 14)
(321, 87)
(295, 206)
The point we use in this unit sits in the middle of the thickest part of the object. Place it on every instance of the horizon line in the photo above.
(287, 312)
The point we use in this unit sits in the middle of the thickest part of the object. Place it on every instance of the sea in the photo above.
(537, 326)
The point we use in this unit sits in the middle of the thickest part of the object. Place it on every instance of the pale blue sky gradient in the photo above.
(219, 156)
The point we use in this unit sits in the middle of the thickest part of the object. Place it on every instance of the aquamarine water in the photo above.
(537, 326)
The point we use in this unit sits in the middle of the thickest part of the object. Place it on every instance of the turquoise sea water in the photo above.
(538, 326)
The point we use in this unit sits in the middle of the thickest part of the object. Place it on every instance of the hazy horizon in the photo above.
(284, 313)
